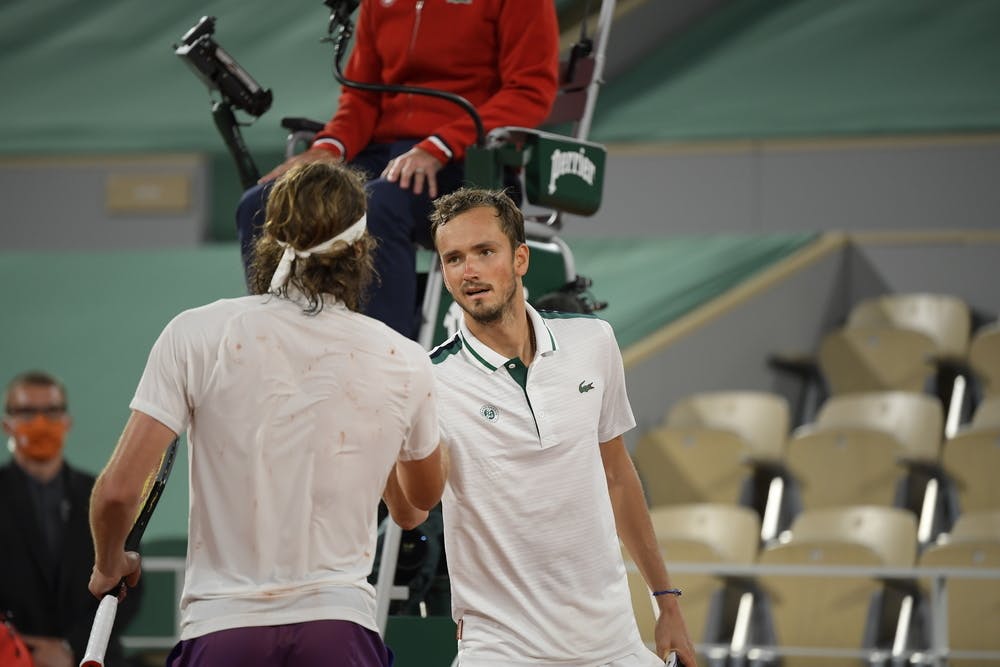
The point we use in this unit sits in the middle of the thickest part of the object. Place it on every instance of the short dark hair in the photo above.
(37, 379)
(309, 204)
(508, 214)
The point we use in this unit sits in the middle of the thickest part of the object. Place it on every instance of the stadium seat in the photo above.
(894, 341)
(945, 319)
(978, 525)
(915, 419)
(973, 605)
(837, 465)
(971, 459)
(692, 465)
(760, 418)
(811, 612)
(862, 448)
(710, 446)
(987, 413)
(984, 357)
(876, 358)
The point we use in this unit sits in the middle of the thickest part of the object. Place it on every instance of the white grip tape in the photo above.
(100, 632)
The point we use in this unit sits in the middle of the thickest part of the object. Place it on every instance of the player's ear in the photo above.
(521, 259)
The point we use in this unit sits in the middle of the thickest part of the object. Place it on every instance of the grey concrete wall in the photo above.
(967, 270)
(757, 187)
(761, 187)
(104, 203)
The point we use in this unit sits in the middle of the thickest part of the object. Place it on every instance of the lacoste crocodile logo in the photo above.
(586, 386)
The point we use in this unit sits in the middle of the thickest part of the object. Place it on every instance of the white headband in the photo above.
(348, 236)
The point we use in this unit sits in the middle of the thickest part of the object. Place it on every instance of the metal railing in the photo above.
(739, 650)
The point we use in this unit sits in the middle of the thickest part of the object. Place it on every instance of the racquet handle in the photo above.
(100, 632)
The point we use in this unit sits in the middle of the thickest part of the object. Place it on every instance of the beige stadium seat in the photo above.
(876, 358)
(833, 467)
(916, 420)
(973, 605)
(987, 413)
(812, 612)
(979, 525)
(984, 357)
(692, 465)
(945, 319)
(709, 444)
(760, 418)
(861, 447)
(707, 532)
(971, 459)
(697, 533)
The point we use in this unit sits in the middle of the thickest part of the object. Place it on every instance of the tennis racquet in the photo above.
(104, 619)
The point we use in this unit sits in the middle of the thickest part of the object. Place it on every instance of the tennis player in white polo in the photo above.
(300, 413)
(540, 489)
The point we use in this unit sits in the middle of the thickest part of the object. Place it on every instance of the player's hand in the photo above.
(311, 155)
(129, 567)
(415, 169)
(49, 651)
(671, 633)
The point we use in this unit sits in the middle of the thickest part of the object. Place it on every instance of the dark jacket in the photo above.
(53, 602)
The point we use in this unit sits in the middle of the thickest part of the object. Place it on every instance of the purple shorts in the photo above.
(313, 644)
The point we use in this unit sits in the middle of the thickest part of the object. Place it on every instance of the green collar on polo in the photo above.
(489, 359)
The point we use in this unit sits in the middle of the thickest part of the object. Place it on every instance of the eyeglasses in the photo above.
(28, 411)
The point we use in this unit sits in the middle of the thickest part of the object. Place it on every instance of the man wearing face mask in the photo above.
(47, 553)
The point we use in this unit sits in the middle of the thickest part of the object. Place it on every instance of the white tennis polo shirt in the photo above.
(533, 555)
(294, 422)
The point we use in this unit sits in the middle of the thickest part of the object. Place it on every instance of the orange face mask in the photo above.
(41, 439)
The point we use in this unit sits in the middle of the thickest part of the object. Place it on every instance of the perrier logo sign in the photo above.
(565, 174)
(571, 162)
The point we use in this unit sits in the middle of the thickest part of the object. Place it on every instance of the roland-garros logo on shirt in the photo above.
(490, 413)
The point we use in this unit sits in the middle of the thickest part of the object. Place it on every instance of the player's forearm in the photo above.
(636, 531)
(400, 509)
(422, 481)
(635, 528)
(111, 516)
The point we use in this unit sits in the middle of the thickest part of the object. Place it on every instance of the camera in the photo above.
(219, 71)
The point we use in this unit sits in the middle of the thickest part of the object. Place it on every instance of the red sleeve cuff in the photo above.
(330, 144)
(438, 148)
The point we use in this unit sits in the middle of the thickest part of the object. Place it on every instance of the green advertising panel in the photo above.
(565, 174)
(560, 172)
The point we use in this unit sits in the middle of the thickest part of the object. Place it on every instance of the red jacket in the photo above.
(501, 55)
